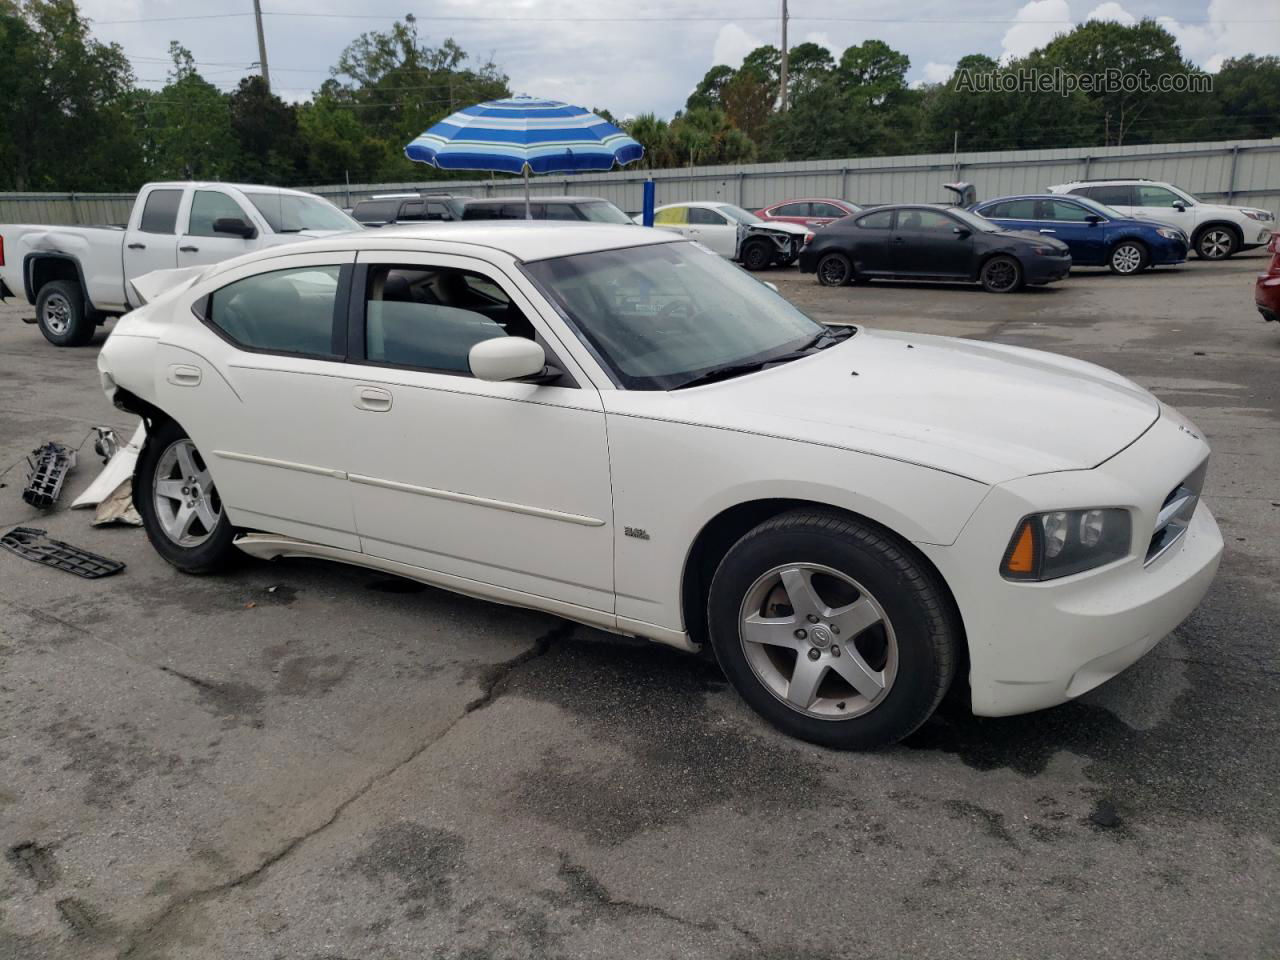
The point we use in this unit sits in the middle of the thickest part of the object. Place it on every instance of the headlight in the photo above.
(1258, 214)
(1046, 546)
(1169, 233)
(1044, 251)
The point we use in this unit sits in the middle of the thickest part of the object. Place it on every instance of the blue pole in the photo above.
(649, 193)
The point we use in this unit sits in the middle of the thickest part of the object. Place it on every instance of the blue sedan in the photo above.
(1097, 235)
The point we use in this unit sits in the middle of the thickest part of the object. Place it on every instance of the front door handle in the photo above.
(184, 375)
(189, 249)
(373, 399)
(137, 246)
(1048, 231)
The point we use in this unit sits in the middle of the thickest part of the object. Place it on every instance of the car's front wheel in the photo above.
(181, 509)
(831, 631)
(1001, 275)
(834, 270)
(1216, 243)
(1129, 257)
(757, 255)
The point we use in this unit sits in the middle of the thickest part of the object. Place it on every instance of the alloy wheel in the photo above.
(1216, 244)
(186, 501)
(57, 314)
(818, 641)
(1127, 258)
(833, 272)
(1000, 275)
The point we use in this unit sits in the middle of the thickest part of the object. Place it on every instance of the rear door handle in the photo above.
(373, 399)
(184, 375)
(137, 246)
(189, 249)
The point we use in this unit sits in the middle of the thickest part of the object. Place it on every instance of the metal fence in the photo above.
(1237, 171)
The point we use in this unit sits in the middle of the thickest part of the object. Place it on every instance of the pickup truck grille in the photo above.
(1175, 514)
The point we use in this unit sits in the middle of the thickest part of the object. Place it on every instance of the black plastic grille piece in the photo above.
(49, 465)
(36, 546)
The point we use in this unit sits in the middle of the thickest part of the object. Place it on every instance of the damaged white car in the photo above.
(613, 425)
(735, 233)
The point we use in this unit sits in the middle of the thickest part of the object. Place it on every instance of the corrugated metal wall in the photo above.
(1241, 171)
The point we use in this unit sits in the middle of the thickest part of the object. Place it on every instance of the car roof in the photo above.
(242, 187)
(1031, 196)
(525, 240)
(697, 203)
(807, 200)
(1118, 181)
(535, 199)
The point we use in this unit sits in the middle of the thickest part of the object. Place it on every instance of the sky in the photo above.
(634, 58)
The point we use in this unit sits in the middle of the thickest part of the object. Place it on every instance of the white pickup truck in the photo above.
(78, 277)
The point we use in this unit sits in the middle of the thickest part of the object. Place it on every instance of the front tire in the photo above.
(830, 630)
(1001, 274)
(1129, 257)
(1216, 243)
(179, 503)
(834, 270)
(61, 314)
(757, 255)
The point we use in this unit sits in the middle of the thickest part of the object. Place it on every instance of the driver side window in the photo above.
(429, 318)
(209, 206)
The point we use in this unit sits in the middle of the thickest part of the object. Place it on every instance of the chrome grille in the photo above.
(1175, 514)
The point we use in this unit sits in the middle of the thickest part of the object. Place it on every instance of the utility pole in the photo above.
(262, 45)
(782, 104)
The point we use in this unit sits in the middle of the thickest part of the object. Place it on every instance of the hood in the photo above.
(983, 411)
(780, 226)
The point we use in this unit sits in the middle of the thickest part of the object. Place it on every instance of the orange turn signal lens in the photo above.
(1020, 561)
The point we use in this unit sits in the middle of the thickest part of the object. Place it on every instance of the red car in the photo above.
(1266, 293)
(811, 211)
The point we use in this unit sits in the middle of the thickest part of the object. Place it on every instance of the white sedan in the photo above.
(612, 425)
(735, 233)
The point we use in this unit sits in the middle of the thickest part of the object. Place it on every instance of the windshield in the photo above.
(290, 213)
(737, 213)
(973, 220)
(660, 316)
(602, 211)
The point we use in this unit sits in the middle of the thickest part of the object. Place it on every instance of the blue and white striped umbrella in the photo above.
(524, 134)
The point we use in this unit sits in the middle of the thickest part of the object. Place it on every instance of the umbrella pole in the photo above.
(528, 215)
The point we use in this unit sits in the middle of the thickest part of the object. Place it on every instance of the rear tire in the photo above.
(1129, 257)
(832, 631)
(61, 314)
(834, 270)
(1001, 274)
(179, 504)
(757, 255)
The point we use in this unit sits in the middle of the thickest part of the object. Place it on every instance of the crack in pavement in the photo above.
(155, 932)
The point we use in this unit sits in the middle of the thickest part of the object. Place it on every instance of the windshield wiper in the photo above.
(829, 337)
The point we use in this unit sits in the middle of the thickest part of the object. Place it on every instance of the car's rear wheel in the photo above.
(834, 270)
(1216, 243)
(1128, 257)
(1001, 275)
(61, 314)
(181, 509)
(831, 631)
(757, 254)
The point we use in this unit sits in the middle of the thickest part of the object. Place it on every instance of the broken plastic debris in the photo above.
(48, 469)
(118, 508)
(36, 546)
(118, 469)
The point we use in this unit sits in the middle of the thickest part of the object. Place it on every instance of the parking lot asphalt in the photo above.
(302, 760)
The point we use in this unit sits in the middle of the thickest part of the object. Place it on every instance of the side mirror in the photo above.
(1093, 219)
(236, 227)
(1179, 205)
(962, 232)
(506, 358)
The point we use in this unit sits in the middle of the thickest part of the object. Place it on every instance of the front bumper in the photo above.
(1258, 237)
(1266, 294)
(1165, 252)
(1034, 645)
(1047, 269)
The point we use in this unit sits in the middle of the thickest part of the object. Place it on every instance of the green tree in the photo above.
(188, 124)
(707, 92)
(1246, 95)
(266, 130)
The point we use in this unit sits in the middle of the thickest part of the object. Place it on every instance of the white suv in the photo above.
(1216, 230)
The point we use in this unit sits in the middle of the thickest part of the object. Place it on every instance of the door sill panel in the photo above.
(270, 546)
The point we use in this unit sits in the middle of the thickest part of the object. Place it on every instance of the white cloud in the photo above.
(823, 40)
(1035, 24)
(732, 46)
(1234, 28)
(935, 73)
(1111, 12)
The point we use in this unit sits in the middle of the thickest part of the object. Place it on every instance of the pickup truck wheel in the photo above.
(180, 506)
(830, 630)
(61, 315)
(757, 254)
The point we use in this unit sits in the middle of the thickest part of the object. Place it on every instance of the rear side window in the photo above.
(671, 217)
(881, 220)
(1011, 210)
(285, 311)
(160, 215)
(209, 206)
(792, 210)
(1119, 194)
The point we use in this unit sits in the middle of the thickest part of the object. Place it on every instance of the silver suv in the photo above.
(1216, 230)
